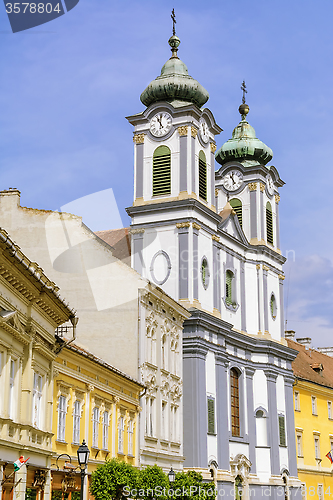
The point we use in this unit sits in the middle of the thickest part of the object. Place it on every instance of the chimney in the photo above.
(10, 197)
(289, 334)
(306, 341)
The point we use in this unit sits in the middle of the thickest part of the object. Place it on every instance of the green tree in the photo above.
(190, 486)
(113, 480)
(153, 482)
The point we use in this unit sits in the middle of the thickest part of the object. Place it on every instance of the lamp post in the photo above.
(82, 456)
(171, 475)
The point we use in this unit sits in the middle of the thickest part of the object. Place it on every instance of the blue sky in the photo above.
(66, 87)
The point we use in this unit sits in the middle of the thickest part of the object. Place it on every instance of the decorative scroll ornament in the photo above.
(216, 193)
(183, 130)
(265, 268)
(194, 132)
(180, 225)
(277, 198)
(258, 267)
(213, 147)
(139, 138)
(252, 186)
(136, 231)
(196, 226)
(281, 277)
(262, 187)
(215, 238)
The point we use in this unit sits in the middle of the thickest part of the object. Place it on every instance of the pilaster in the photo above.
(249, 372)
(138, 140)
(196, 229)
(290, 425)
(194, 133)
(265, 270)
(253, 210)
(137, 250)
(182, 131)
(273, 426)
(212, 171)
(216, 274)
(183, 249)
(222, 413)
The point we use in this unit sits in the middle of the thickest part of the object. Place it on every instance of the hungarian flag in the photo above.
(18, 464)
(329, 456)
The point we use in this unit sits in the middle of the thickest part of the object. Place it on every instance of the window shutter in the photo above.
(282, 430)
(237, 206)
(269, 223)
(202, 176)
(211, 416)
(162, 171)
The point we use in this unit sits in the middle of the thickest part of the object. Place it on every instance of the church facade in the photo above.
(210, 239)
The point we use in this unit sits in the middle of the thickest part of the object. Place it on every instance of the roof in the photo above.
(35, 273)
(312, 365)
(120, 241)
(101, 362)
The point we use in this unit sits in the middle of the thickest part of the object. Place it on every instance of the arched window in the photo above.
(162, 171)
(228, 287)
(237, 206)
(164, 339)
(261, 429)
(234, 392)
(238, 488)
(202, 176)
(269, 223)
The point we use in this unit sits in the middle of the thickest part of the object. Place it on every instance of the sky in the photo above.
(67, 86)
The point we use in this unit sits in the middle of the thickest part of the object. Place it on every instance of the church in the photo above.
(210, 239)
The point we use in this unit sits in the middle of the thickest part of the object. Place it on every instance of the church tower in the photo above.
(211, 241)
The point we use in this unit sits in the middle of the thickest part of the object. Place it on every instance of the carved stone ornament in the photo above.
(262, 187)
(136, 231)
(216, 193)
(90, 387)
(258, 267)
(116, 400)
(277, 199)
(281, 277)
(215, 238)
(240, 468)
(196, 226)
(213, 147)
(55, 373)
(139, 138)
(179, 225)
(194, 132)
(183, 130)
(138, 409)
(252, 186)
(265, 268)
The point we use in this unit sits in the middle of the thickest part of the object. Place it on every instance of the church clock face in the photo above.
(232, 180)
(160, 124)
(203, 129)
(270, 185)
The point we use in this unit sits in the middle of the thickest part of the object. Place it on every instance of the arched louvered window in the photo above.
(162, 171)
(202, 176)
(269, 223)
(234, 392)
(237, 206)
(228, 287)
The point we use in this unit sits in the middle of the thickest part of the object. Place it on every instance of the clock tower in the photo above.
(211, 241)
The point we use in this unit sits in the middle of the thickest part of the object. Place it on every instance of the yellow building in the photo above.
(95, 402)
(30, 311)
(313, 404)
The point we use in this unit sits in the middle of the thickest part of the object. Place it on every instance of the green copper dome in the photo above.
(244, 144)
(174, 82)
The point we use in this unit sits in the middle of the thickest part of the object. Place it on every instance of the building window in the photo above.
(329, 409)
(314, 405)
(121, 428)
(211, 415)
(229, 278)
(95, 427)
(282, 430)
(162, 171)
(299, 445)
(149, 416)
(261, 428)
(297, 401)
(234, 386)
(37, 400)
(269, 223)
(164, 341)
(237, 206)
(105, 430)
(76, 422)
(205, 272)
(273, 306)
(320, 491)
(202, 176)
(317, 448)
(62, 403)
(174, 424)
(130, 431)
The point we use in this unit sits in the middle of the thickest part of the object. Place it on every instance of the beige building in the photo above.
(124, 319)
(30, 311)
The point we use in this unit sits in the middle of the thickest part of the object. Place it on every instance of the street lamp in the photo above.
(82, 456)
(171, 475)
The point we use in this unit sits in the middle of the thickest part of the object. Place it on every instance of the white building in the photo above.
(211, 240)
